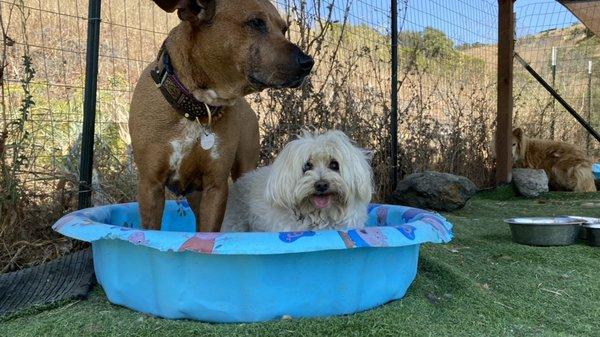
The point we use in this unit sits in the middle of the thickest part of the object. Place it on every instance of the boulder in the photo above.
(434, 190)
(530, 182)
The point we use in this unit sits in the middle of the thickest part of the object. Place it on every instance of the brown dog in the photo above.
(190, 126)
(567, 167)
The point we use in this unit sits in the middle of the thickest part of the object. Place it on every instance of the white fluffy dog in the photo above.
(318, 181)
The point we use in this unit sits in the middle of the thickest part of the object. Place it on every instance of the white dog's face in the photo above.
(322, 173)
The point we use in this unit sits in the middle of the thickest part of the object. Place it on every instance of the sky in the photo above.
(464, 21)
(470, 21)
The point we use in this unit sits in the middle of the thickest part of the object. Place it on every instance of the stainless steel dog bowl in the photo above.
(544, 231)
(593, 233)
(586, 221)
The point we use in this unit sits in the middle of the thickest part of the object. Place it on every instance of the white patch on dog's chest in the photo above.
(189, 138)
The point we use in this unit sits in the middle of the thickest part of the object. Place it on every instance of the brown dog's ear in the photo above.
(194, 11)
(518, 133)
(167, 5)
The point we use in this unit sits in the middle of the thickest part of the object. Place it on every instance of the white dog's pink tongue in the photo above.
(322, 201)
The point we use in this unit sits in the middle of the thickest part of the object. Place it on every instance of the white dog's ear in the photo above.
(369, 154)
(365, 175)
(283, 176)
(357, 169)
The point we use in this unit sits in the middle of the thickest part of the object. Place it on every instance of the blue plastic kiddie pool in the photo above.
(250, 277)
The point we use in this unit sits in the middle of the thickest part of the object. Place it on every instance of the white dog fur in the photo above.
(284, 196)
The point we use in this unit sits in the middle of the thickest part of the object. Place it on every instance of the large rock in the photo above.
(434, 190)
(530, 182)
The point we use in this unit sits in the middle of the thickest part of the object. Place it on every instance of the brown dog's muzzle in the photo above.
(300, 67)
(304, 63)
(285, 68)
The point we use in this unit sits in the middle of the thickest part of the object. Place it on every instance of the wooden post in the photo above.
(506, 33)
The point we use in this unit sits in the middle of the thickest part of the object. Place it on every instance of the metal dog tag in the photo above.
(207, 140)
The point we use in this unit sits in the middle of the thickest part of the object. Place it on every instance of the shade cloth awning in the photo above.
(587, 11)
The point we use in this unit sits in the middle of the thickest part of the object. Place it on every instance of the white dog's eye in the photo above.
(334, 165)
(307, 166)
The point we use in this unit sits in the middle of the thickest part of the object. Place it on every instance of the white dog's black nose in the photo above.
(321, 186)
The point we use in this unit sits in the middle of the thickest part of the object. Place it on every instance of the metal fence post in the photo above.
(394, 96)
(89, 105)
(589, 107)
(553, 122)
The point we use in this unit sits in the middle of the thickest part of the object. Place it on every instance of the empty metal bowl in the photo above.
(545, 231)
(593, 233)
(583, 235)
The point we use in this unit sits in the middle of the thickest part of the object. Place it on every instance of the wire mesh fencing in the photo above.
(567, 55)
(448, 87)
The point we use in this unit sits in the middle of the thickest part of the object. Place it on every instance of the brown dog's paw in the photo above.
(210, 97)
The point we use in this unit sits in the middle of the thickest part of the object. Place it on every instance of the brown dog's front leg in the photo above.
(195, 200)
(151, 197)
(212, 207)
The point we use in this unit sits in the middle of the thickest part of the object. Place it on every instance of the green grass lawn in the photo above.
(481, 284)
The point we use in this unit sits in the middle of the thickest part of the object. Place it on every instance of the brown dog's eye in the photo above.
(257, 24)
(307, 167)
(334, 165)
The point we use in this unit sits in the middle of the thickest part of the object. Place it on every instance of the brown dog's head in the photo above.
(519, 145)
(240, 44)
